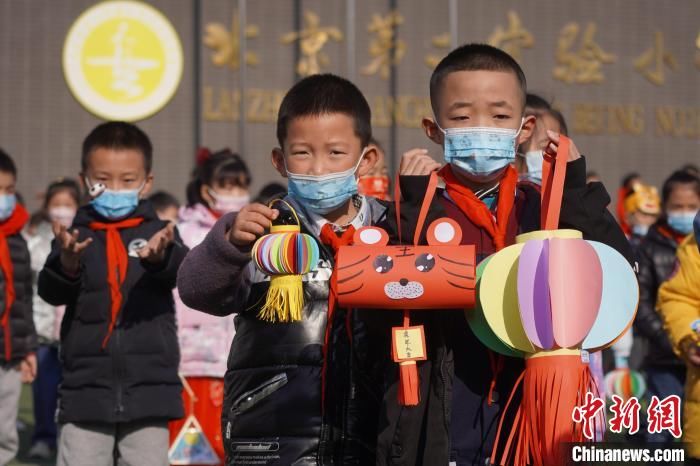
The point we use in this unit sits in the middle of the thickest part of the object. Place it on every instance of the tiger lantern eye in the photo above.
(425, 262)
(382, 264)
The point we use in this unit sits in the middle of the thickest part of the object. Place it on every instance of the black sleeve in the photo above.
(53, 285)
(648, 322)
(585, 208)
(413, 192)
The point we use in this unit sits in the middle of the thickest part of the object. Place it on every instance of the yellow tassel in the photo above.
(285, 299)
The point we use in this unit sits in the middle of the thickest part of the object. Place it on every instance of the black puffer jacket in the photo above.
(272, 406)
(135, 376)
(453, 421)
(22, 334)
(656, 257)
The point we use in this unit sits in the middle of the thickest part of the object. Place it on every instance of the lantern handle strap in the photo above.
(289, 206)
(553, 174)
(425, 206)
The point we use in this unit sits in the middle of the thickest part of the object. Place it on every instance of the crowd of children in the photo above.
(117, 303)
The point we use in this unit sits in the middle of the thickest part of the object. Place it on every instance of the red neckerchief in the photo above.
(622, 193)
(671, 234)
(331, 239)
(117, 264)
(480, 215)
(217, 215)
(474, 208)
(9, 227)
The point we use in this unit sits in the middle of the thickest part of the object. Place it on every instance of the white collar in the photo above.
(360, 220)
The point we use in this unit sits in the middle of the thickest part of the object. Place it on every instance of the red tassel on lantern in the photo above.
(554, 384)
(409, 388)
(407, 347)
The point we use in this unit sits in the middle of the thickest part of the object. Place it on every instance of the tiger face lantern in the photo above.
(441, 275)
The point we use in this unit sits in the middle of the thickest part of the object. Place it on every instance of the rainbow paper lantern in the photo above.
(550, 297)
(625, 383)
(285, 255)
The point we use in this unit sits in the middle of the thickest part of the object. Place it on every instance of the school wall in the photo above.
(626, 110)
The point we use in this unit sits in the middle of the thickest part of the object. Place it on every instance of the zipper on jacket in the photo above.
(119, 407)
(117, 361)
(262, 391)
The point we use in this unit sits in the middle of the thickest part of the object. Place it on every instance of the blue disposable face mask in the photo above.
(682, 222)
(322, 194)
(534, 160)
(116, 204)
(640, 230)
(8, 202)
(480, 151)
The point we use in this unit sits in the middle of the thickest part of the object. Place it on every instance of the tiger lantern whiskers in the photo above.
(442, 275)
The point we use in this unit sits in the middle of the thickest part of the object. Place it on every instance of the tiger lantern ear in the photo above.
(371, 236)
(444, 232)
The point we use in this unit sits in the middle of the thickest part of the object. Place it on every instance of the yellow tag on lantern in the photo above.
(408, 344)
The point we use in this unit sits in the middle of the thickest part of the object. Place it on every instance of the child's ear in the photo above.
(527, 129)
(204, 194)
(432, 131)
(147, 186)
(277, 158)
(368, 161)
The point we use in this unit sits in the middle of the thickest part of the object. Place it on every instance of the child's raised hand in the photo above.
(251, 222)
(553, 146)
(154, 250)
(71, 248)
(417, 162)
(28, 368)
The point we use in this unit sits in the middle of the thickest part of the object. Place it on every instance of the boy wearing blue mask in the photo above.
(18, 339)
(529, 159)
(478, 99)
(304, 392)
(114, 270)
(680, 202)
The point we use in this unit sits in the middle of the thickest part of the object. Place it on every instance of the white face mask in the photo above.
(534, 160)
(225, 203)
(63, 215)
(480, 151)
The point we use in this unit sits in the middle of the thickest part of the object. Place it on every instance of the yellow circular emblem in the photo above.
(122, 60)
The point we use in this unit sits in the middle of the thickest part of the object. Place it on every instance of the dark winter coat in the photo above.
(135, 376)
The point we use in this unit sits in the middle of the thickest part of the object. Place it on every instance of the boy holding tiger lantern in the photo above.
(478, 97)
(300, 376)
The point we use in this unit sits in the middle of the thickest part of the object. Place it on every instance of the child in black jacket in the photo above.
(115, 270)
(17, 335)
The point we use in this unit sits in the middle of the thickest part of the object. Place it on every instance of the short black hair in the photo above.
(474, 57)
(270, 192)
(628, 178)
(323, 94)
(118, 135)
(7, 165)
(68, 185)
(691, 168)
(557, 115)
(162, 200)
(536, 105)
(676, 178)
(220, 168)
